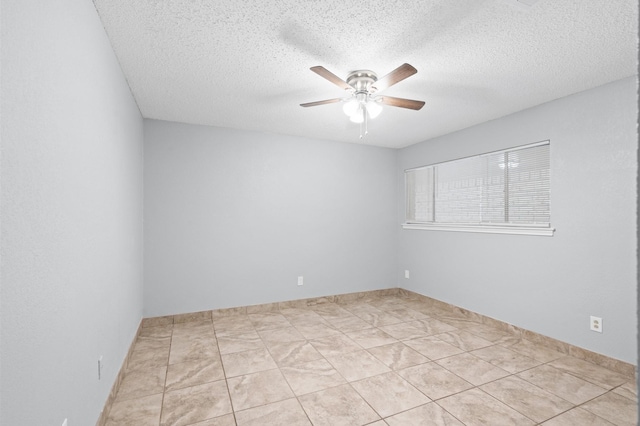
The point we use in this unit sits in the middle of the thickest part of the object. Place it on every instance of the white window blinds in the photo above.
(505, 188)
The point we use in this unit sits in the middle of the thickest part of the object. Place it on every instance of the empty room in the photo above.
(219, 213)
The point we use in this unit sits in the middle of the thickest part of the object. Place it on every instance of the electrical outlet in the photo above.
(406, 273)
(100, 367)
(596, 324)
(300, 280)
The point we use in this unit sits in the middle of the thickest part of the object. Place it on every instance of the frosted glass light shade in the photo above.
(358, 116)
(374, 109)
(350, 107)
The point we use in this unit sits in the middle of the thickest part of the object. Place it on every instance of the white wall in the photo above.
(550, 285)
(232, 218)
(71, 241)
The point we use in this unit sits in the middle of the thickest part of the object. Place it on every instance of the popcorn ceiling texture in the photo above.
(246, 64)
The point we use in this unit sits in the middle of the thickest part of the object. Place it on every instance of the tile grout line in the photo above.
(164, 387)
(224, 371)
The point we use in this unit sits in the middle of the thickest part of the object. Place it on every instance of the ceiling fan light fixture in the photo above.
(363, 85)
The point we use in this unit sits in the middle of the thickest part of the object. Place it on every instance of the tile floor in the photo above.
(382, 361)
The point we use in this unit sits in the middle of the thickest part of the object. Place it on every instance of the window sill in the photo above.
(545, 231)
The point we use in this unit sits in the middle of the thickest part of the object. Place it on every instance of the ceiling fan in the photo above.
(363, 102)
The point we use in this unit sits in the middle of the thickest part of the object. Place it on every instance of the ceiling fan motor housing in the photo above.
(362, 80)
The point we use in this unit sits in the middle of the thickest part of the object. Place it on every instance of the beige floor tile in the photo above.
(432, 347)
(389, 394)
(403, 331)
(269, 321)
(577, 417)
(378, 318)
(190, 330)
(196, 333)
(308, 320)
(193, 349)
(292, 353)
(406, 314)
(339, 406)
(371, 337)
(459, 322)
(472, 369)
(628, 390)
(434, 381)
(532, 350)
(150, 344)
(193, 326)
(431, 326)
(317, 331)
(330, 310)
(286, 413)
(492, 334)
(397, 355)
(357, 365)
(236, 324)
(474, 407)
(590, 372)
(226, 420)
(426, 415)
(256, 389)
(617, 409)
(159, 331)
(464, 340)
(185, 334)
(508, 360)
(293, 312)
(350, 323)
(312, 376)
(564, 385)
(280, 335)
(143, 411)
(535, 403)
(196, 403)
(239, 342)
(157, 321)
(360, 307)
(335, 345)
(147, 359)
(192, 373)
(138, 383)
(247, 362)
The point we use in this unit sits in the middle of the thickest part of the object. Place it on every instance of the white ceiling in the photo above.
(245, 64)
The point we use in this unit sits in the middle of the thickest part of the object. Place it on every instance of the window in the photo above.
(500, 192)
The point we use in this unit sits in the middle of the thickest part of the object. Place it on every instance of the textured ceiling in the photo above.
(245, 64)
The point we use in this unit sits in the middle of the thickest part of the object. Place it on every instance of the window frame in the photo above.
(539, 229)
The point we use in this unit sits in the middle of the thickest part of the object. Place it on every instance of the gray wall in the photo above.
(550, 285)
(232, 218)
(71, 237)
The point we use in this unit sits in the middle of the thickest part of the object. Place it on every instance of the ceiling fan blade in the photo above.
(401, 102)
(395, 76)
(325, 73)
(326, 101)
